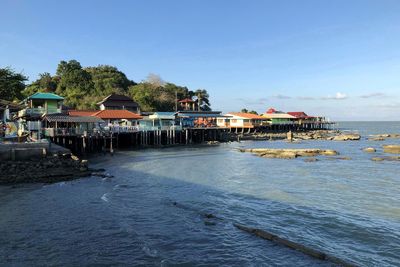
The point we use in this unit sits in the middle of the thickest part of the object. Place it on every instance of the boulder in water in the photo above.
(369, 150)
(347, 137)
(393, 149)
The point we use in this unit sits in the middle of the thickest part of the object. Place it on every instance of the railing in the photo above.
(38, 111)
(122, 129)
(157, 128)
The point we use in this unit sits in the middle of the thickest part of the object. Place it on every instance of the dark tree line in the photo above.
(83, 87)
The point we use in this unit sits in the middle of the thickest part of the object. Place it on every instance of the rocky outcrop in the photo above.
(393, 149)
(289, 153)
(346, 137)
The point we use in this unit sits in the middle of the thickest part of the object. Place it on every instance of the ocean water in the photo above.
(151, 212)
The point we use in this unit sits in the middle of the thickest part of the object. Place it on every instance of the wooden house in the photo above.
(275, 117)
(61, 124)
(119, 102)
(198, 119)
(39, 104)
(240, 120)
(159, 121)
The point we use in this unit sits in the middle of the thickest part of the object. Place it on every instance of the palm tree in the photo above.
(203, 101)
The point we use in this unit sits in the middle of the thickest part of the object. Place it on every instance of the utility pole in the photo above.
(199, 101)
(176, 101)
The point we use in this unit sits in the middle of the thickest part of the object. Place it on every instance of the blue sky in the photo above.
(335, 58)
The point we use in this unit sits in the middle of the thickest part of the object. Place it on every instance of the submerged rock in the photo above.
(392, 158)
(393, 149)
(311, 160)
(289, 153)
(347, 137)
(369, 150)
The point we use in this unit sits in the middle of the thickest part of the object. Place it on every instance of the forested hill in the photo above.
(83, 87)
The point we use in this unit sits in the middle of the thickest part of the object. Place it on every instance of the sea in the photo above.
(177, 207)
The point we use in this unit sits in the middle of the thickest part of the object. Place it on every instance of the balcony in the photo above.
(38, 111)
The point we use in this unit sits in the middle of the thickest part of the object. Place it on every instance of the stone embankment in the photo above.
(40, 163)
(290, 153)
(50, 169)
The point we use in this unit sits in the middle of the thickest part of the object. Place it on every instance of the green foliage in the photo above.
(11, 84)
(45, 83)
(156, 96)
(244, 110)
(82, 88)
(203, 99)
(108, 79)
(75, 84)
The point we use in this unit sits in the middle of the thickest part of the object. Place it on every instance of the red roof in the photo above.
(116, 114)
(81, 113)
(246, 115)
(186, 100)
(271, 110)
(299, 115)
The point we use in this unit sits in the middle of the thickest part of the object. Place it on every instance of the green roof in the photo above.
(49, 96)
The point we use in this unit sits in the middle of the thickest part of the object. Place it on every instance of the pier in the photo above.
(108, 141)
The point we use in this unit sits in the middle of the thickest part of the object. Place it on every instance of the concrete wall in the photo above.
(23, 151)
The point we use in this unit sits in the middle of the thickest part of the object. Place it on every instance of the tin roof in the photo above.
(118, 100)
(278, 116)
(82, 112)
(66, 118)
(245, 115)
(47, 96)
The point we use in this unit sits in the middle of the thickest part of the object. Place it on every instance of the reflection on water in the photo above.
(348, 208)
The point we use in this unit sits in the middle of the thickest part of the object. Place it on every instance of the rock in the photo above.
(286, 155)
(346, 137)
(344, 158)
(377, 139)
(289, 153)
(73, 157)
(393, 149)
(369, 150)
(329, 152)
(377, 159)
(311, 160)
(84, 163)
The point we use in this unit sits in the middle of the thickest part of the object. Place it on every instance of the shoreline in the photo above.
(61, 165)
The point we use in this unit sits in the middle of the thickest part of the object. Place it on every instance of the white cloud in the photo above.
(279, 96)
(373, 95)
(338, 96)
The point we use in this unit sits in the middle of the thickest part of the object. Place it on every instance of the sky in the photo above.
(339, 59)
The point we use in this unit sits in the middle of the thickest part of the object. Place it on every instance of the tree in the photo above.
(203, 99)
(108, 79)
(145, 95)
(156, 97)
(244, 110)
(74, 84)
(155, 80)
(45, 83)
(11, 84)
